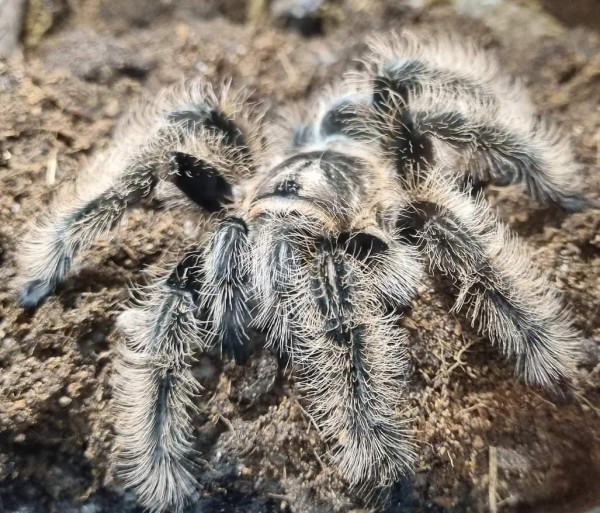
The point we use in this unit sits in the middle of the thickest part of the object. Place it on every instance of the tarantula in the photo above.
(320, 242)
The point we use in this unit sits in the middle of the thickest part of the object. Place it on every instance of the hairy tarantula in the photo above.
(320, 242)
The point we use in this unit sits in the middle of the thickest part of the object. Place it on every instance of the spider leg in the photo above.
(276, 268)
(202, 302)
(352, 363)
(411, 65)
(344, 342)
(50, 247)
(495, 145)
(178, 146)
(339, 116)
(507, 298)
(226, 290)
(539, 156)
(154, 386)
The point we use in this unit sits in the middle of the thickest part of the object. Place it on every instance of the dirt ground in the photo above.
(484, 438)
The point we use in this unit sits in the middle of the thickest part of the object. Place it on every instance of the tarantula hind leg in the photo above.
(154, 388)
(52, 246)
(507, 298)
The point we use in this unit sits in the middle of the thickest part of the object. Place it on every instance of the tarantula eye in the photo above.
(288, 187)
(200, 182)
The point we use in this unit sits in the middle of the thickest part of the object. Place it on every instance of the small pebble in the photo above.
(64, 401)
(478, 443)
(112, 108)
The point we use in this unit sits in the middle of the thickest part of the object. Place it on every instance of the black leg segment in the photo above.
(200, 182)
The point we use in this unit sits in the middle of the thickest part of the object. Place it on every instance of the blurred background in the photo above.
(70, 68)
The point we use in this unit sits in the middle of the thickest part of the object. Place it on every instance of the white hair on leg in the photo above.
(154, 387)
(226, 289)
(507, 298)
(427, 90)
(79, 216)
(504, 150)
(416, 62)
(191, 118)
(277, 268)
(350, 355)
(322, 300)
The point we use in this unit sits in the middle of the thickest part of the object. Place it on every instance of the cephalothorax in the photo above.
(321, 242)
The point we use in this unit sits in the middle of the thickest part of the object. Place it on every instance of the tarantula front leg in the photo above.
(154, 386)
(332, 294)
(188, 140)
(226, 293)
(203, 301)
(508, 299)
(88, 212)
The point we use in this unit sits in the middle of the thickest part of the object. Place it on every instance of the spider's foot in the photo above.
(559, 390)
(562, 392)
(578, 203)
(34, 292)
